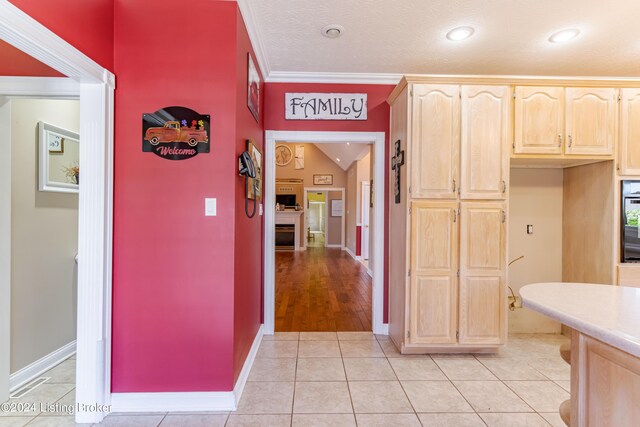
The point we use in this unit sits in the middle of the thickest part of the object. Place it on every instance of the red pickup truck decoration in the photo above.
(175, 133)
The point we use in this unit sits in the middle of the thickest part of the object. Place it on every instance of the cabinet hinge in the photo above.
(409, 190)
(409, 211)
(458, 273)
(457, 334)
(514, 95)
(408, 334)
(409, 272)
(514, 145)
(411, 92)
(619, 97)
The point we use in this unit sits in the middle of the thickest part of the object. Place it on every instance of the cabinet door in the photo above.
(591, 116)
(483, 239)
(435, 141)
(434, 266)
(630, 132)
(484, 145)
(539, 120)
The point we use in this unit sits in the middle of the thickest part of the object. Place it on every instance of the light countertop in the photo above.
(608, 313)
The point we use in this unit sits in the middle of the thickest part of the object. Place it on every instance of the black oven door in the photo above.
(631, 238)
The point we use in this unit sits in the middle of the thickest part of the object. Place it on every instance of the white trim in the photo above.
(313, 77)
(246, 368)
(369, 272)
(354, 256)
(385, 329)
(5, 247)
(378, 139)
(95, 200)
(189, 401)
(53, 87)
(173, 402)
(254, 36)
(40, 366)
(333, 246)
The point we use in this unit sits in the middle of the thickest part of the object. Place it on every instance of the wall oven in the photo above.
(285, 237)
(630, 212)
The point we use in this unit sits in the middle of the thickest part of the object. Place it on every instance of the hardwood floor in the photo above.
(321, 290)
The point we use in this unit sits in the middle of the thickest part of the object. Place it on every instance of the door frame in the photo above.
(95, 208)
(319, 137)
(364, 247)
(326, 213)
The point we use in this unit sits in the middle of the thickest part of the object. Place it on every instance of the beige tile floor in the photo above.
(358, 379)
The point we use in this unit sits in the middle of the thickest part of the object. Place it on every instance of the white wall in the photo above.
(535, 198)
(44, 239)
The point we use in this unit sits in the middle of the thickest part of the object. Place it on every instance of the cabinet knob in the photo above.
(570, 140)
(504, 187)
(454, 185)
(559, 140)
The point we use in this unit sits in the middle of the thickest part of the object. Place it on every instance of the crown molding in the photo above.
(254, 36)
(346, 78)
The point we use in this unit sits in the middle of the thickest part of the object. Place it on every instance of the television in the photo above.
(286, 199)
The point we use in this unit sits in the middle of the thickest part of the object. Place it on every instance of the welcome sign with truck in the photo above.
(175, 133)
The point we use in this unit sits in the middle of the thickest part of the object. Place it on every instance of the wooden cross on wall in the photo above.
(396, 162)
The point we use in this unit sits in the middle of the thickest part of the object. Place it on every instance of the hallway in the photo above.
(321, 290)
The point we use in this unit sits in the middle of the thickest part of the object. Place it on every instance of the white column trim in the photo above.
(378, 140)
(5, 247)
(95, 200)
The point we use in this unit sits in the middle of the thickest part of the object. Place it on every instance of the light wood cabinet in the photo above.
(482, 272)
(629, 161)
(539, 120)
(565, 123)
(590, 120)
(435, 141)
(484, 142)
(457, 148)
(434, 266)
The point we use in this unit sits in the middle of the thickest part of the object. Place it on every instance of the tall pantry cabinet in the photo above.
(448, 232)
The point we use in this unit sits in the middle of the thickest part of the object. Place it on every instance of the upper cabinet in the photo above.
(565, 121)
(591, 116)
(539, 120)
(435, 141)
(629, 162)
(484, 144)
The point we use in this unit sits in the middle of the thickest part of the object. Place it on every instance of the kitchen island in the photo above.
(605, 348)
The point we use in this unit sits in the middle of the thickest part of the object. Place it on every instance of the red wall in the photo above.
(173, 301)
(377, 121)
(14, 62)
(248, 232)
(86, 24)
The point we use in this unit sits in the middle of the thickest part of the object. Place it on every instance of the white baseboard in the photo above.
(385, 329)
(333, 246)
(248, 363)
(354, 256)
(39, 367)
(189, 401)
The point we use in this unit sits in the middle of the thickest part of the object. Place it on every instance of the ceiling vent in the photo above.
(332, 31)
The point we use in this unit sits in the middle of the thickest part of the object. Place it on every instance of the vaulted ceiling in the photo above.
(408, 36)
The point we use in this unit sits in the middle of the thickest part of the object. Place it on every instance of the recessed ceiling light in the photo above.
(348, 143)
(332, 31)
(564, 35)
(337, 159)
(460, 33)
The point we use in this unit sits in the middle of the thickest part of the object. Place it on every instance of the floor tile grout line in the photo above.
(344, 368)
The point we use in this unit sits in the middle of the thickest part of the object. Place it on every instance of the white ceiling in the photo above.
(346, 153)
(408, 36)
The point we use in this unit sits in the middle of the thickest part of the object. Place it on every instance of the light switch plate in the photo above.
(210, 207)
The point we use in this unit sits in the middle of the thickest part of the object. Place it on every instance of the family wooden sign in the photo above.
(326, 106)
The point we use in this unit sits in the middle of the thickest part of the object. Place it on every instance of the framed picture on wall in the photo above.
(255, 184)
(253, 89)
(58, 160)
(323, 179)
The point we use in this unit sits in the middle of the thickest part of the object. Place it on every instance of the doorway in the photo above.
(94, 85)
(377, 139)
(316, 218)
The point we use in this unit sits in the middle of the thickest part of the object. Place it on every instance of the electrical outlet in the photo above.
(529, 228)
(515, 302)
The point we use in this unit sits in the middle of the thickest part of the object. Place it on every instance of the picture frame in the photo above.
(337, 207)
(58, 159)
(253, 88)
(326, 179)
(255, 184)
